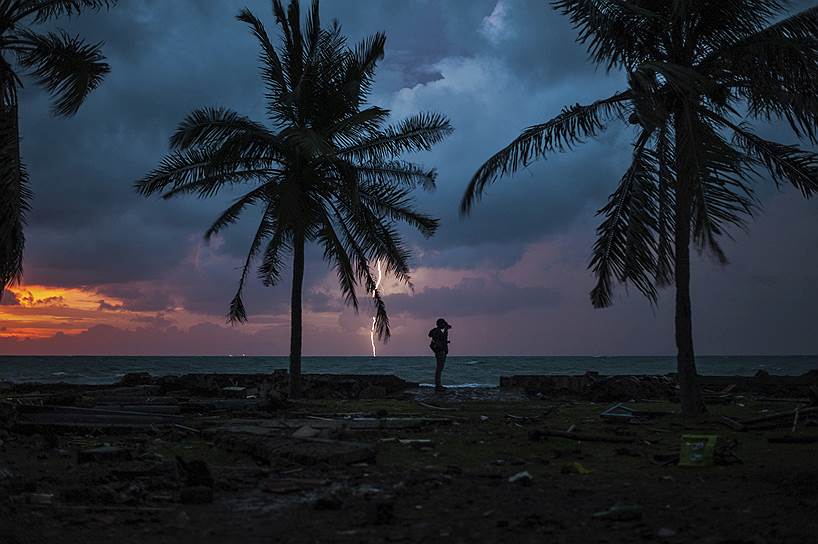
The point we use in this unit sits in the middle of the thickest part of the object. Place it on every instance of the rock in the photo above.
(135, 378)
(523, 478)
(381, 512)
(235, 392)
(373, 392)
(182, 520)
(310, 451)
(34, 498)
(574, 468)
(329, 502)
(306, 432)
(417, 442)
(194, 473)
(620, 512)
(103, 454)
(664, 532)
(198, 494)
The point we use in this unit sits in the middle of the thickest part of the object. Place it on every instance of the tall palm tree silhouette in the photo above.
(329, 171)
(697, 69)
(64, 65)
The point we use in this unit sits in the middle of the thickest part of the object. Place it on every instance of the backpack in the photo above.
(437, 343)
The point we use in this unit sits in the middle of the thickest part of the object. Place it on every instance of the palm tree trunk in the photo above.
(685, 359)
(295, 312)
(689, 395)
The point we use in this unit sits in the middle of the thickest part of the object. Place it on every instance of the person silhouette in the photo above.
(440, 347)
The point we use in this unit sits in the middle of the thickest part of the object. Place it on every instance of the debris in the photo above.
(283, 486)
(620, 512)
(33, 498)
(103, 454)
(574, 468)
(381, 512)
(663, 459)
(789, 439)
(579, 437)
(523, 478)
(628, 452)
(306, 432)
(328, 502)
(434, 407)
(195, 473)
(234, 392)
(196, 494)
(373, 392)
(417, 442)
(725, 453)
(732, 423)
(664, 532)
(778, 415)
(36, 419)
(697, 450)
(484, 418)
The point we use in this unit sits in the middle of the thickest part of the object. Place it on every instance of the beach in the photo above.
(226, 458)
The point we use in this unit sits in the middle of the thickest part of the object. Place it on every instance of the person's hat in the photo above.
(442, 323)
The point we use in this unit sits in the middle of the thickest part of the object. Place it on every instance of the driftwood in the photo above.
(580, 437)
(780, 415)
(792, 439)
(732, 423)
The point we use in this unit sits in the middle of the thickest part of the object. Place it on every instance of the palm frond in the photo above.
(272, 72)
(416, 133)
(572, 126)
(44, 10)
(232, 213)
(201, 171)
(401, 173)
(336, 254)
(237, 312)
(617, 32)
(626, 239)
(66, 66)
(15, 199)
(210, 127)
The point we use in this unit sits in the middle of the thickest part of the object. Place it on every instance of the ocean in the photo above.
(460, 371)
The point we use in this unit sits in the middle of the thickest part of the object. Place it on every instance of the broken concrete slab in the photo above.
(306, 451)
(104, 454)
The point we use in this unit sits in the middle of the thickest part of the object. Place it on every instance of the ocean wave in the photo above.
(475, 362)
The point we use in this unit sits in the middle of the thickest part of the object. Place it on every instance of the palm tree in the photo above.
(328, 171)
(64, 65)
(697, 70)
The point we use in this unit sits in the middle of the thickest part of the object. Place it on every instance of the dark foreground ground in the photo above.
(413, 467)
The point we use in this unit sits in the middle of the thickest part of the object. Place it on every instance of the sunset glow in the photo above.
(38, 311)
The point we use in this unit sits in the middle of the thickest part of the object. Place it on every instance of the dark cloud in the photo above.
(493, 66)
(9, 299)
(473, 297)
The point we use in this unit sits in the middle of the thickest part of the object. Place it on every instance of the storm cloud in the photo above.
(517, 266)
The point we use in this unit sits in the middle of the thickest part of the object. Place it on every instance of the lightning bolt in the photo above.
(374, 317)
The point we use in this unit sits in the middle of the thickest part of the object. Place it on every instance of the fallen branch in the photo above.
(732, 423)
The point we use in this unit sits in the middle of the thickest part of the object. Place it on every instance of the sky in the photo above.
(108, 272)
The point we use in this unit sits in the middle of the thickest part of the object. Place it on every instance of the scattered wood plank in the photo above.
(779, 415)
(433, 407)
(732, 423)
(792, 439)
(580, 437)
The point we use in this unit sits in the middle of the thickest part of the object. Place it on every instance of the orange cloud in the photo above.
(39, 311)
